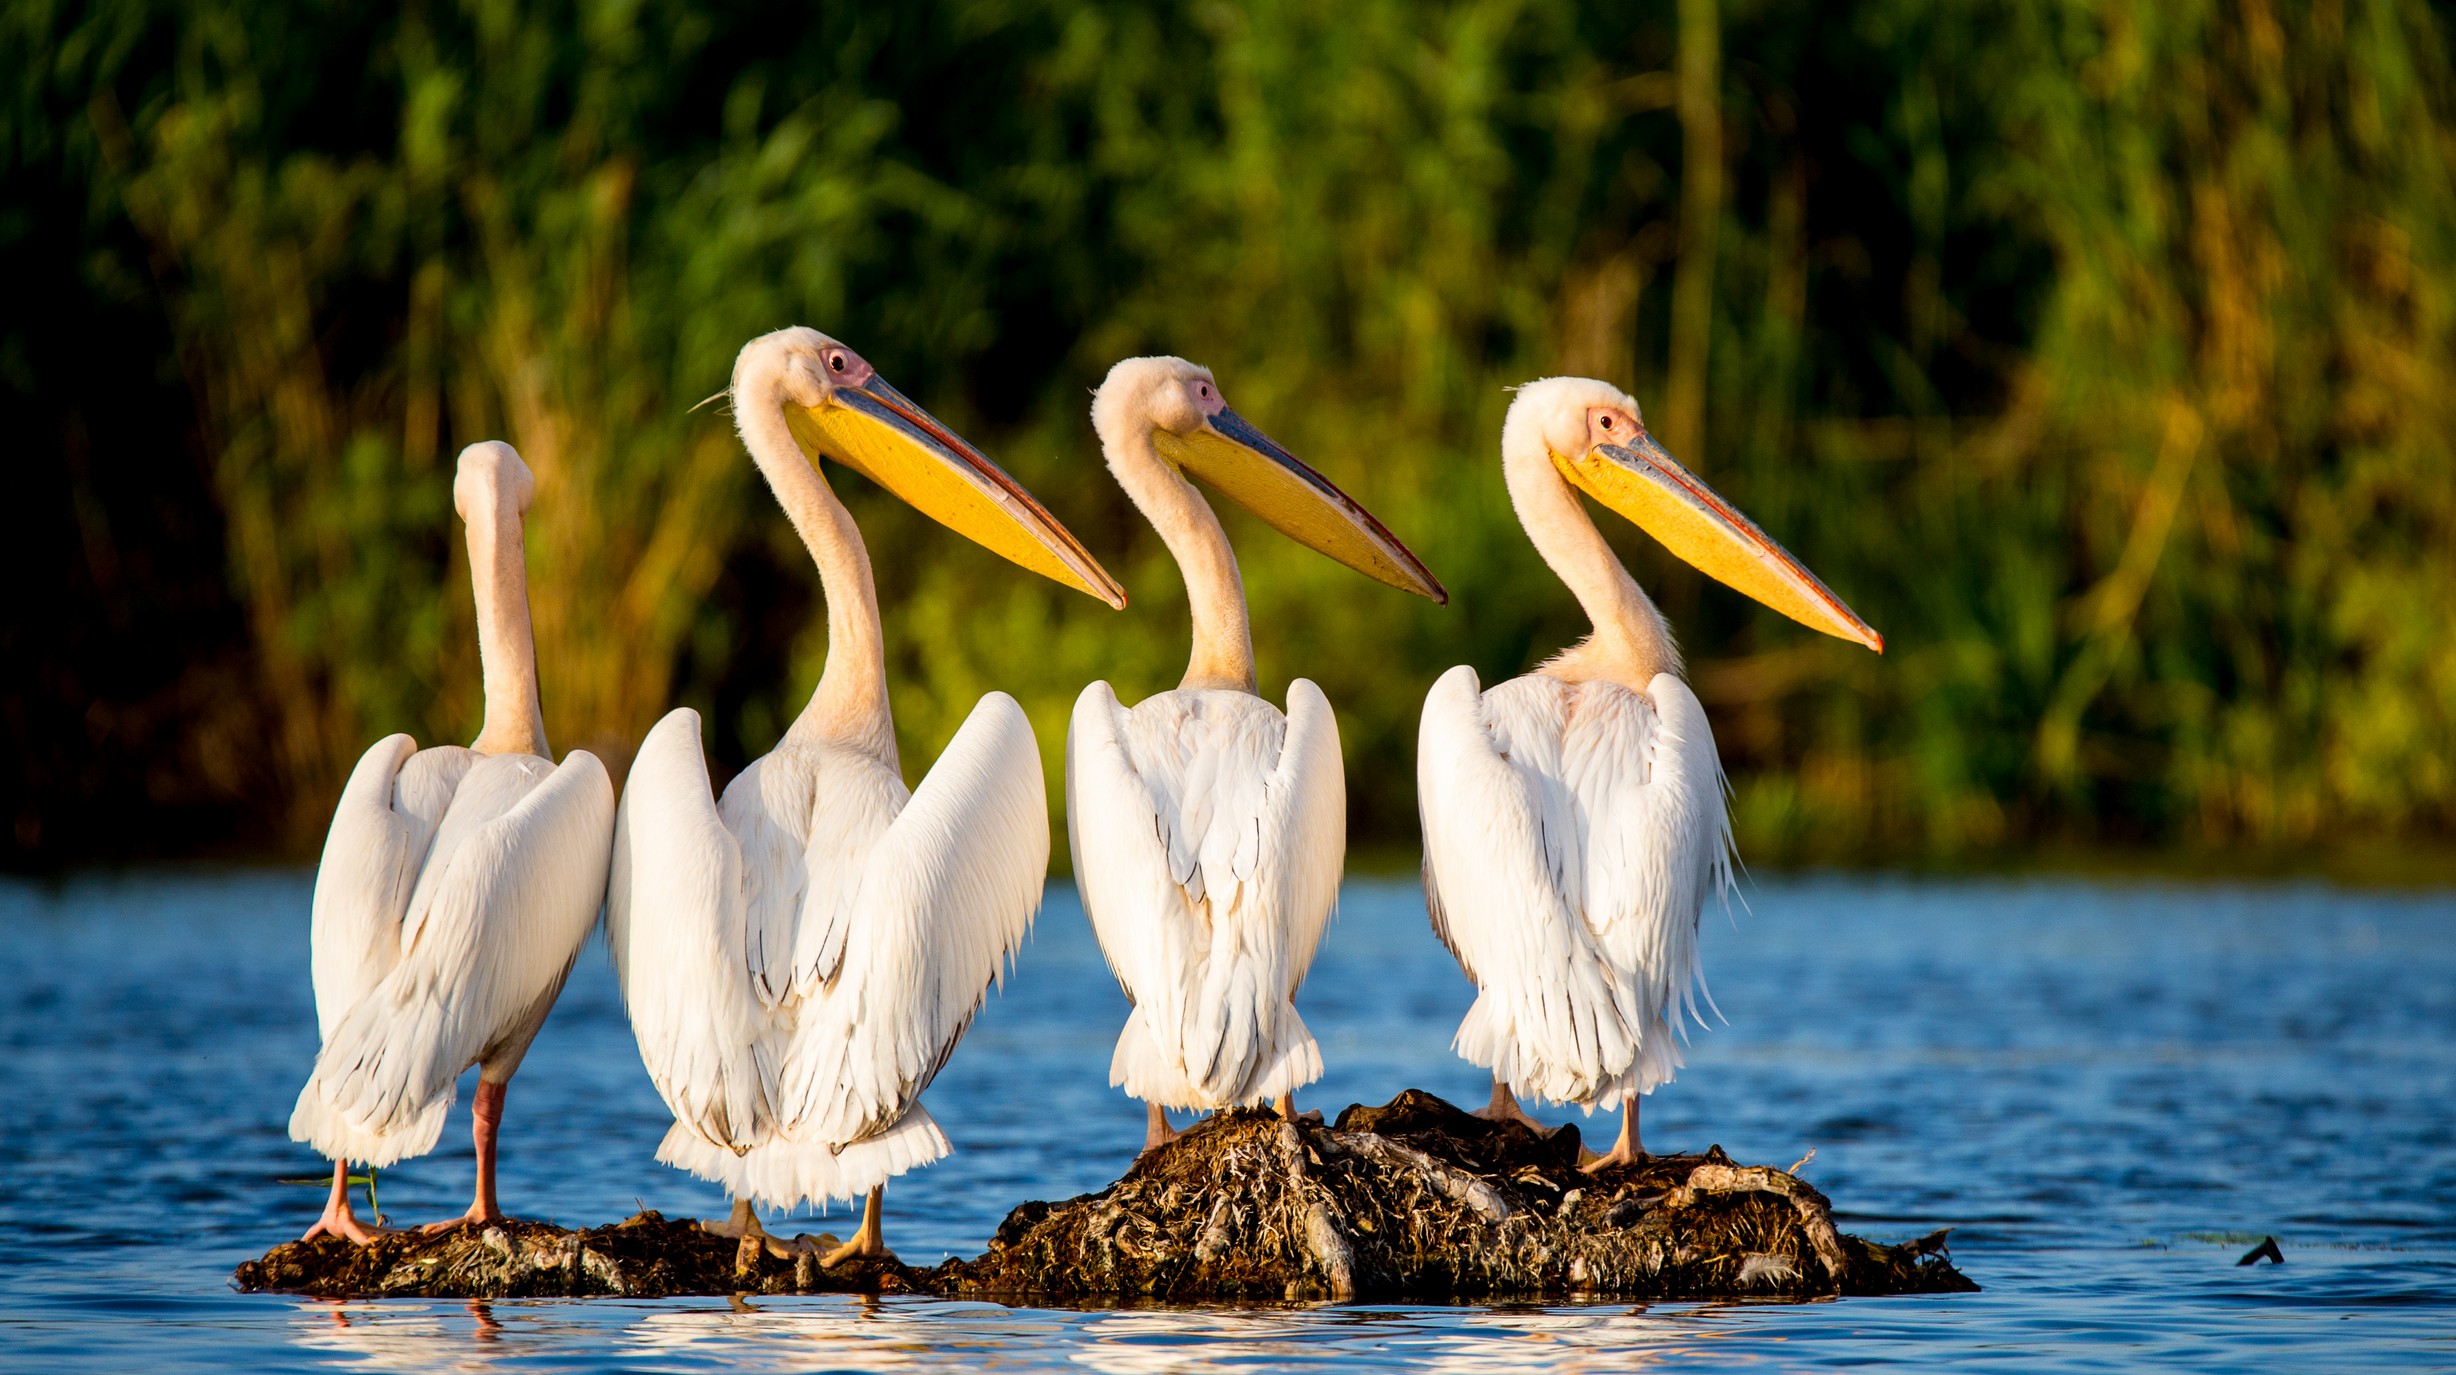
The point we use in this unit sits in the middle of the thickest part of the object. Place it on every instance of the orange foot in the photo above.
(475, 1214)
(340, 1221)
(1622, 1154)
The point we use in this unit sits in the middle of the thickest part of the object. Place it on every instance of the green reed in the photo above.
(2099, 354)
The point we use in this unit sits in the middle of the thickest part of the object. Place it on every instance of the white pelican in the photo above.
(457, 887)
(1207, 828)
(1573, 818)
(800, 957)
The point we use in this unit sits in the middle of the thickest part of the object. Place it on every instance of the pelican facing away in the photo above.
(1573, 818)
(457, 887)
(801, 956)
(1208, 829)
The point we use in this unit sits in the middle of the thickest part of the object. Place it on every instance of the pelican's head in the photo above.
(1592, 434)
(838, 406)
(1179, 406)
(491, 479)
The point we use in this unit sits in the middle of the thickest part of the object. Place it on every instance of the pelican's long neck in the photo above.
(1632, 642)
(507, 647)
(1223, 654)
(850, 707)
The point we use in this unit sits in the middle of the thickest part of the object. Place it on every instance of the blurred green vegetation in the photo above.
(2098, 353)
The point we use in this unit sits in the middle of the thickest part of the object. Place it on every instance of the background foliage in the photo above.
(2098, 353)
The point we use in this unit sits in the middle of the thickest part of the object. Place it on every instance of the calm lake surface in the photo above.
(2111, 1092)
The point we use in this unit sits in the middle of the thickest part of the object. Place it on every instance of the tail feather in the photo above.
(379, 1091)
(1489, 1037)
(1290, 1059)
(787, 1174)
(337, 1137)
(1293, 1061)
(1144, 1070)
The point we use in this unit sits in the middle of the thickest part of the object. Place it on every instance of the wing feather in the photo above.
(1504, 867)
(1658, 839)
(1129, 864)
(675, 926)
(1309, 803)
(495, 922)
(1209, 831)
(382, 829)
(944, 900)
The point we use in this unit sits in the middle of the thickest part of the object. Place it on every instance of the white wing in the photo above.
(675, 926)
(1658, 844)
(941, 905)
(1122, 861)
(508, 895)
(1312, 821)
(1571, 833)
(382, 829)
(1208, 832)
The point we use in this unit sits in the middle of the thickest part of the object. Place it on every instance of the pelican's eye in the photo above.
(845, 368)
(1612, 425)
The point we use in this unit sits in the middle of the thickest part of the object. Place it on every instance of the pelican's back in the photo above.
(1572, 833)
(509, 887)
(1208, 832)
(383, 828)
(801, 956)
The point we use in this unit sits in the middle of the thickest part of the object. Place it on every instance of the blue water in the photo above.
(2111, 1092)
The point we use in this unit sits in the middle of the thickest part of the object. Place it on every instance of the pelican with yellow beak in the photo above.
(800, 956)
(1208, 828)
(1573, 818)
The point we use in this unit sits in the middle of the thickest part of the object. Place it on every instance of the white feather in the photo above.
(800, 958)
(1208, 832)
(381, 831)
(471, 889)
(674, 926)
(1572, 833)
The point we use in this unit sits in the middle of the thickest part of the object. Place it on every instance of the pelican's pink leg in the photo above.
(1156, 1131)
(1504, 1108)
(1628, 1149)
(870, 1241)
(485, 1115)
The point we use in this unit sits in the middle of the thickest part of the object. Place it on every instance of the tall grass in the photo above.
(2098, 353)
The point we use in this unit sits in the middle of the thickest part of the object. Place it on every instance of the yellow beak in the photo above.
(875, 431)
(1667, 501)
(1247, 468)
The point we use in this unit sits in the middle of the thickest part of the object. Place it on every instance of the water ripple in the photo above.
(2110, 1092)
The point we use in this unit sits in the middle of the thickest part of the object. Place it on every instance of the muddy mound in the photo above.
(1419, 1202)
(1414, 1201)
(646, 1256)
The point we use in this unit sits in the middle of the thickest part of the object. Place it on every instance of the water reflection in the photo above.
(1568, 1342)
(834, 1333)
(380, 1336)
(905, 1334)
(1207, 1340)
(1430, 1339)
